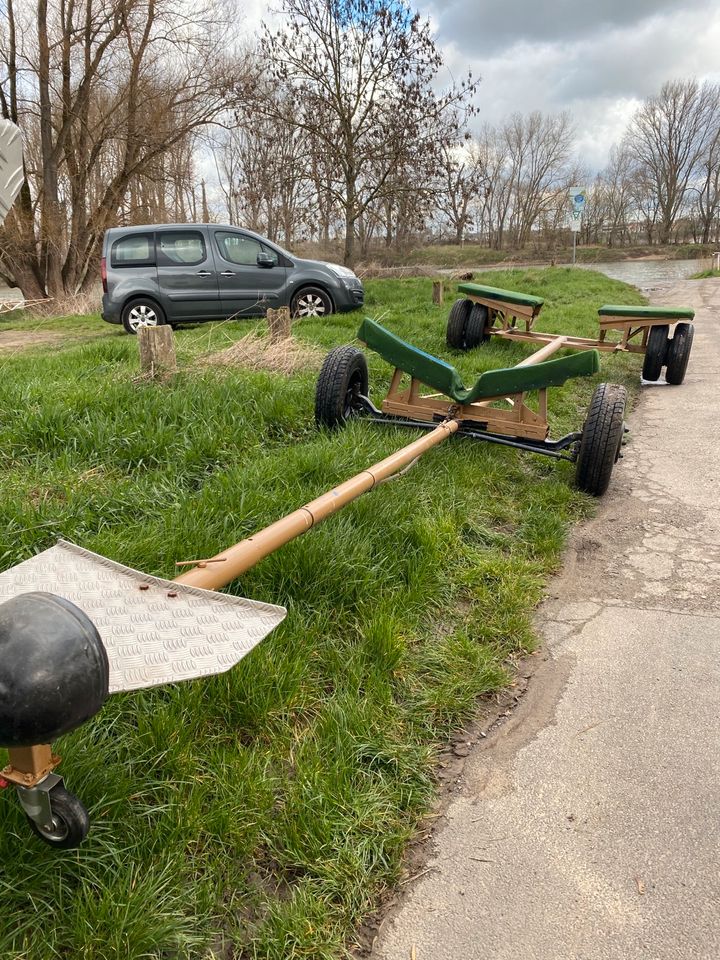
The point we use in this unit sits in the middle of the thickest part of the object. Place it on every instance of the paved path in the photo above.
(588, 825)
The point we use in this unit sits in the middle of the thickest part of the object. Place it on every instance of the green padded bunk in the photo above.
(652, 313)
(444, 378)
(496, 293)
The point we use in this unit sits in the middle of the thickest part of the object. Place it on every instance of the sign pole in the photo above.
(578, 199)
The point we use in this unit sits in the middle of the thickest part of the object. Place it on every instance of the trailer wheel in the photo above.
(655, 352)
(70, 821)
(602, 437)
(457, 324)
(678, 353)
(343, 380)
(476, 331)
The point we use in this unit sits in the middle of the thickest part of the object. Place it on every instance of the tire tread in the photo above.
(476, 327)
(678, 353)
(602, 435)
(655, 352)
(332, 384)
(457, 324)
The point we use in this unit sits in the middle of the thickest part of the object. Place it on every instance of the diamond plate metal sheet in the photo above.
(151, 637)
(11, 166)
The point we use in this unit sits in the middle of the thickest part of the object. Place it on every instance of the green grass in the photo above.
(450, 255)
(705, 274)
(261, 814)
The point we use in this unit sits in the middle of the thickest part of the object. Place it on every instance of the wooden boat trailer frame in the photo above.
(518, 426)
(503, 317)
(483, 312)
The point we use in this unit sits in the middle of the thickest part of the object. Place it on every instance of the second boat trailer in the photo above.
(484, 312)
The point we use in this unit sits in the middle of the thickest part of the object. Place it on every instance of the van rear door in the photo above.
(187, 275)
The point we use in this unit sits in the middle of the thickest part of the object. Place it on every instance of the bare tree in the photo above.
(668, 137)
(538, 148)
(462, 178)
(617, 181)
(646, 203)
(364, 96)
(708, 178)
(492, 205)
(103, 89)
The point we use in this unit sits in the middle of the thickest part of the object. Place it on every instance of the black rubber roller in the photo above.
(53, 669)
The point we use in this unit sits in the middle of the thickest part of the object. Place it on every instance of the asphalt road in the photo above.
(588, 825)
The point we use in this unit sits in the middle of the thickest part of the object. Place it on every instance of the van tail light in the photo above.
(103, 274)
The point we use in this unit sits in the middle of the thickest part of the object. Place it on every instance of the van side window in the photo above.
(181, 248)
(135, 250)
(242, 250)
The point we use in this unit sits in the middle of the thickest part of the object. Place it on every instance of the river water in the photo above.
(648, 273)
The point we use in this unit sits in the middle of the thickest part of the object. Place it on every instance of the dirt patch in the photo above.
(15, 340)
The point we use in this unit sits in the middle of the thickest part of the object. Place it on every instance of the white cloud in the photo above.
(599, 61)
(601, 78)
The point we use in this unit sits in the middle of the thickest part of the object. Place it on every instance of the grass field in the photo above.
(261, 814)
(474, 255)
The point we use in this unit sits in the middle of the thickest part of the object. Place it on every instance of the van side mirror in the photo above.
(265, 260)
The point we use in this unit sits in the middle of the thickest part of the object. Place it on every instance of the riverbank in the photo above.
(438, 257)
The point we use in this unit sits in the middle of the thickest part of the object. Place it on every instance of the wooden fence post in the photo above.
(157, 350)
(278, 323)
(437, 292)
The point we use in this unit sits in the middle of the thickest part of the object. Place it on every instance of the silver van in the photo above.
(180, 273)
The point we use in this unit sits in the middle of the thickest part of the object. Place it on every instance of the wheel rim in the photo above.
(142, 315)
(352, 396)
(310, 305)
(57, 833)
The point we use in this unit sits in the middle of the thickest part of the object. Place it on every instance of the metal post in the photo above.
(574, 242)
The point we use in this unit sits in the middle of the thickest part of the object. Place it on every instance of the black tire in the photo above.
(476, 329)
(457, 324)
(655, 352)
(142, 312)
(602, 437)
(71, 822)
(342, 381)
(311, 302)
(678, 353)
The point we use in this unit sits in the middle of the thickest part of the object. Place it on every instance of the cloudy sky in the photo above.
(597, 59)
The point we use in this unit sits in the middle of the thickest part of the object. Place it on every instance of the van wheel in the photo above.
(141, 312)
(311, 302)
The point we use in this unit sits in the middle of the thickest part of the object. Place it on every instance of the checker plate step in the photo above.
(151, 638)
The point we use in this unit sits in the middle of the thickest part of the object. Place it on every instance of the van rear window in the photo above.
(135, 250)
